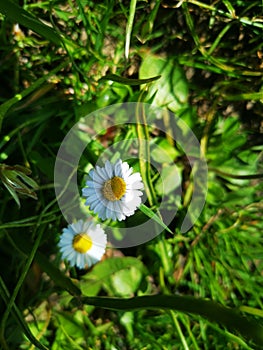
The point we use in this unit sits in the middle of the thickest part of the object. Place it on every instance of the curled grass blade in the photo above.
(234, 321)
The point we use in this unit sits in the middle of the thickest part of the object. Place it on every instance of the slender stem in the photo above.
(144, 154)
(129, 27)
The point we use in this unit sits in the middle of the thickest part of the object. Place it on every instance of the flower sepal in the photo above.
(16, 180)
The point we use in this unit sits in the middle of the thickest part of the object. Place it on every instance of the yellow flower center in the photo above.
(114, 188)
(82, 243)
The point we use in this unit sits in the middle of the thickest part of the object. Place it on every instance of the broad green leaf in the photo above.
(102, 273)
(233, 320)
(126, 282)
(171, 90)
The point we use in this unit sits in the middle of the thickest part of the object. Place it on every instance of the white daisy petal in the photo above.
(83, 243)
(92, 200)
(112, 191)
(77, 226)
(108, 169)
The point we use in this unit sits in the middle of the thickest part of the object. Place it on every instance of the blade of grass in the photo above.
(127, 81)
(179, 330)
(186, 322)
(251, 310)
(17, 14)
(236, 176)
(230, 8)
(151, 214)
(218, 39)
(254, 96)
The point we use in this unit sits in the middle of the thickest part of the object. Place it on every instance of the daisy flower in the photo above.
(112, 191)
(83, 243)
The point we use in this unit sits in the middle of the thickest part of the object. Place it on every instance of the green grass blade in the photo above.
(127, 81)
(230, 8)
(251, 310)
(19, 15)
(151, 214)
(254, 96)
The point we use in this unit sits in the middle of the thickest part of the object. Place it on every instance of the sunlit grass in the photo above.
(62, 60)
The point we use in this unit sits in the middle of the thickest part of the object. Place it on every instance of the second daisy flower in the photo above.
(112, 191)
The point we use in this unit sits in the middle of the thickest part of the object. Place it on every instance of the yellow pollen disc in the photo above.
(82, 243)
(114, 188)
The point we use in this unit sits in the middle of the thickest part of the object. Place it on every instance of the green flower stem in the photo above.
(144, 154)
(129, 27)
